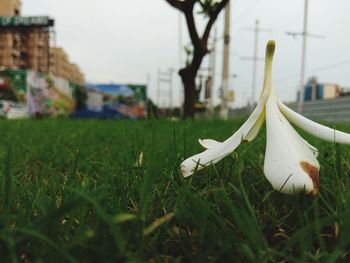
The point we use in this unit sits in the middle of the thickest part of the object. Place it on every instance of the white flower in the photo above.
(290, 163)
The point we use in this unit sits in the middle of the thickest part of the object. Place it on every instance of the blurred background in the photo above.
(117, 57)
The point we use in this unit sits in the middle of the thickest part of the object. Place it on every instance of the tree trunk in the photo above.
(188, 76)
(189, 82)
(200, 45)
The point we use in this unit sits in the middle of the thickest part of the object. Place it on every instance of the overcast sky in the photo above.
(124, 41)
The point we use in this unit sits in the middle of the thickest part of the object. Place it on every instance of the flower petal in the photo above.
(311, 147)
(208, 143)
(270, 50)
(251, 135)
(254, 131)
(290, 166)
(314, 128)
(216, 152)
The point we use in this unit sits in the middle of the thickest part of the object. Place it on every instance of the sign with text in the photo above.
(26, 21)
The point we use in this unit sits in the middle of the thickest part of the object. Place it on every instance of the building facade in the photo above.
(320, 91)
(10, 7)
(61, 66)
(24, 48)
(24, 41)
(25, 44)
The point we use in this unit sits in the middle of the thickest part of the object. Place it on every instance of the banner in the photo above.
(48, 95)
(113, 101)
(41, 95)
(13, 85)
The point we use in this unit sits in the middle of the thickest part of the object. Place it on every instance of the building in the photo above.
(25, 44)
(94, 100)
(61, 66)
(10, 7)
(320, 91)
(76, 75)
(24, 49)
(24, 41)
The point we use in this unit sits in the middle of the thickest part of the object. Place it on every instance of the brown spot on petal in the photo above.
(313, 172)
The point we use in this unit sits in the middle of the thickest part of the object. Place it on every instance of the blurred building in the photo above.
(24, 48)
(345, 92)
(320, 91)
(24, 41)
(25, 44)
(62, 67)
(10, 7)
(94, 100)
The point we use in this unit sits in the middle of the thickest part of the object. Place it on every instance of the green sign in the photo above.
(25, 21)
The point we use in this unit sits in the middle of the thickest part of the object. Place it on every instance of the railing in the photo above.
(335, 110)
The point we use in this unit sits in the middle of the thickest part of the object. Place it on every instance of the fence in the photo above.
(335, 110)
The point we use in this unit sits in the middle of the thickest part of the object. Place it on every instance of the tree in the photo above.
(188, 74)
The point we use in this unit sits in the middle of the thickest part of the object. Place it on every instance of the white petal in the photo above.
(254, 131)
(217, 151)
(251, 135)
(270, 49)
(290, 165)
(312, 148)
(314, 128)
(214, 154)
(208, 143)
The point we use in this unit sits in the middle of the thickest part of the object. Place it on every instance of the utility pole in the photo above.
(255, 59)
(225, 73)
(212, 72)
(181, 92)
(171, 87)
(165, 91)
(158, 89)
(305, 34)
(303, 60)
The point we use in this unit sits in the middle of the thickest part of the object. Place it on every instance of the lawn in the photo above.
(77, 191)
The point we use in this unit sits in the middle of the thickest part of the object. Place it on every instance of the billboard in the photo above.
(48, 95)
(13, 86)
(41, 95)
(13, 94)
(113, 101)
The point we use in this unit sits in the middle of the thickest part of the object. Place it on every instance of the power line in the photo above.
(246, 11)
(305, 34)
(256, 30)
(315, 70)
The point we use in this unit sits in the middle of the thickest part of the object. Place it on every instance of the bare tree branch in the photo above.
(192, 29)
(200, 45)
(216, 9)
(182, 5)
(177, 4)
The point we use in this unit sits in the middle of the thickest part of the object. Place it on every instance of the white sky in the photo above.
(124, 41)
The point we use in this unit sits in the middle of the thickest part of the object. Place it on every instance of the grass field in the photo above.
(73, 191)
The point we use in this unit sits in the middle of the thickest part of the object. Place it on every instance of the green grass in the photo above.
(71, 191)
